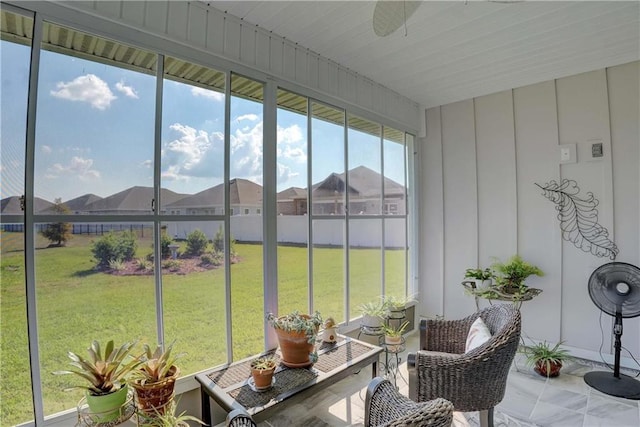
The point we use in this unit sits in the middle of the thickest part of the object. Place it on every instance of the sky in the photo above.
(95, 133)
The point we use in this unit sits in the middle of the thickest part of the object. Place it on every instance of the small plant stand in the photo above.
(392, 361)
(516, 299)
(86, 418)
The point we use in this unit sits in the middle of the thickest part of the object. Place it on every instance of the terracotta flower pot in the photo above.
(262, 377)
(295, 348)
(392, 343)
(541, 368)
(153, 398)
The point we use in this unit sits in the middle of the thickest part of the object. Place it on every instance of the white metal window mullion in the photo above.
(269, 208)
(410, 209)
(347, 284)
(382, 212)
(227, 213)
(157, 155)
(309, 205)
(29, 242)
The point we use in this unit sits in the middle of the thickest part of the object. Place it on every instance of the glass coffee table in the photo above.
(228, 385)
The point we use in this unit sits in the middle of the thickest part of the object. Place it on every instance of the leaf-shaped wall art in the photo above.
(579, 218)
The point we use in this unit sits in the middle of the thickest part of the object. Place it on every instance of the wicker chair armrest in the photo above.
(240, 418)
(385, 406)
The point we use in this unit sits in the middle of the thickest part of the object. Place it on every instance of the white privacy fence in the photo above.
(293, 229)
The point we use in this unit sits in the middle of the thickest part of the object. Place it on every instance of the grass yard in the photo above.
(76, 304)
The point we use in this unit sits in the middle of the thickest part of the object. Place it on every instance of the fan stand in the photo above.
(618, 385)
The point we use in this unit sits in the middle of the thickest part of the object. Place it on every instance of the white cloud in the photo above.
(46, 149)
(147, 164)
(89, 88)
(127, 90)
(291, 144)
(194, 153)
(250, 117)
(78, 167)
(211, 94)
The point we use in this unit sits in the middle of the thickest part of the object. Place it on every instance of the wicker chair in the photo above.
(474, 381)
(239, 418)
(385, 406)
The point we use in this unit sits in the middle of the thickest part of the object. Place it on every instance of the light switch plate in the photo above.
(567, 153)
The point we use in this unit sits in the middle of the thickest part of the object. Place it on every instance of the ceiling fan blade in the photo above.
(388, 16)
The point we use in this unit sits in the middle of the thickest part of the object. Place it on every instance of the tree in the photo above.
(60, 232)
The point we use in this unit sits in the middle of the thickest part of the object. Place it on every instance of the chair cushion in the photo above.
(478, 335)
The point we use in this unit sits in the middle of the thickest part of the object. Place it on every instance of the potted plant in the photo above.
(546, 360)
(510, 275)
(262, 370)
(396, 306)
(482, 278)
(393, 336)
(297, 336)
(168, 418)
(373, 314)
(106, 373)
(154, 380)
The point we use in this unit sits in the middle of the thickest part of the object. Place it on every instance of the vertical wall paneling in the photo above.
(248, 43)
(342, 83)
(289, 60)
(313, 70)
(215, 31)
(352, 87)
(323, 74)
(302, 73)
(156, 13)
(277, 54)
(178, 19)
(232, 37)
(364, 93)
(497, 207)
(460, 204)
(431, 291)
(624, 111)
(539, 238)
(583, 116)
(333, 85)
(263, 49)
(197, 25)
(109, 8)
(133, 12)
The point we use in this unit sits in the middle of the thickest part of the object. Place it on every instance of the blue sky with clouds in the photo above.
(95, 133)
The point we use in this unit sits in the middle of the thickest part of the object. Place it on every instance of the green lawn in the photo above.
(76, 304)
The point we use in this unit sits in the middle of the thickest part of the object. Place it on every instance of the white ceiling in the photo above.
(457, 50)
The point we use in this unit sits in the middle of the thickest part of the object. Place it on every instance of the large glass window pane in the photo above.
(193, 291)
(394, 172)
(15, 387)
(245, 198)
(328, 268)
(293, 290)
(395, 256)
(86, 294)
(95, 124)
(192, 139)
(365, 169)
(365, 262)
(327, 168)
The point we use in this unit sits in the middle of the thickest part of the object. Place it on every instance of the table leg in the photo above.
(374, 369)
(206, 407)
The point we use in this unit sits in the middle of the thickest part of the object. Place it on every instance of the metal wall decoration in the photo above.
(579, 218)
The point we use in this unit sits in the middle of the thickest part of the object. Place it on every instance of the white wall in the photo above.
(479, 163)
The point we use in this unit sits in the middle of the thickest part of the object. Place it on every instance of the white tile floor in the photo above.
(530, 400)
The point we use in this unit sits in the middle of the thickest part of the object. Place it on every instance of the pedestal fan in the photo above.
(615, 289)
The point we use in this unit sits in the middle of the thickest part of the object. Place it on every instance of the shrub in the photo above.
(165, 241)
(116, 265)
(196, 242)
(211, 258)
(218, 242)
(144, 264)
(171, 265)
(60, 232)
(113, 247)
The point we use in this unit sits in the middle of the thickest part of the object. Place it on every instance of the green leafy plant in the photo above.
(513, 272)
(390, 331)
(168, 418)
(196, 243)
(60, 232)
(116, 265)
(301, 323)
(156, 365)
(264, 363)
(144, 264)
(373, 308)
(392, 302)
(478, 274)
(121, 247)
(106, 372)
(543, 354)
